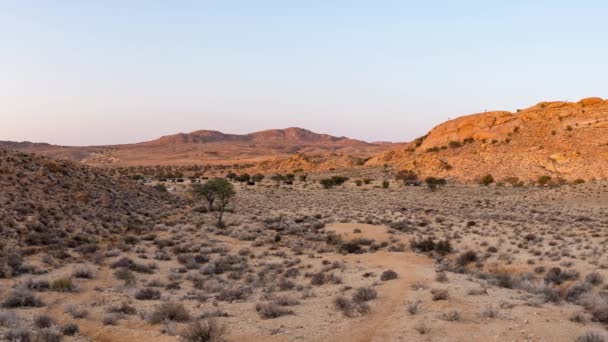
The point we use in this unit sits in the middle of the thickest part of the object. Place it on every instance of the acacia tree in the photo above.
(204, 191)
(218, 191)
(224, 192)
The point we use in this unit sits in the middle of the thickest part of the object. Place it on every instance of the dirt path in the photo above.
(393, 294)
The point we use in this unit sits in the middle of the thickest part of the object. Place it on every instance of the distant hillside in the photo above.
(557, 139)
(209, 147)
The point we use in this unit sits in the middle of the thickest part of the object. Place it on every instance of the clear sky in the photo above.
(100, 72)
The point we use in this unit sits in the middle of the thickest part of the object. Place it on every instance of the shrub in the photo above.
(43, 321)
(439, 294)
(208, 330)
(364, 294)
(271, 310)
(385, 184)
(486, 180)
(451, 316)
(543, 180)
(126, 275)
(466, 258)
(489, 312)
(147, 294)
(69, 329)
(21, 298)
(76, 311)
(425, 245)
(594, 278)
(84, 273)
(591, 337)
(413, 307)
(63, 285)
(345, 305)
(110, 319)
(10, 262)
(169, 312)
(48, 335)
(328, 183)
(18, 335)
(388, 275)
(433, 183)
(454, 144)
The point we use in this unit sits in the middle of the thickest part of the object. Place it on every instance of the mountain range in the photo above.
(558, 139)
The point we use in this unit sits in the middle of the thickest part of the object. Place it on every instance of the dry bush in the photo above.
(21, 298)
(271, 310)
(169, 312)
(388, 275)
(364, 294)
(147, 294)
(208, 330)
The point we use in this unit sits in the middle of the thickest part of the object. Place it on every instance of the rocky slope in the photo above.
(558, 139)
(47, 202)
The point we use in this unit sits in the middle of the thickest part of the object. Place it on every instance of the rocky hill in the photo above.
(47, 202)
(557, 139)
(204, 147)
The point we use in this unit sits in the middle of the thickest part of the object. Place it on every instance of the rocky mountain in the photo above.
(203, 146)
(557, 139)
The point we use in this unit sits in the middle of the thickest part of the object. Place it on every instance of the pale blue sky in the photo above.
(101, 72)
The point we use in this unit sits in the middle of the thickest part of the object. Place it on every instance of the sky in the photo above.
(105, 72)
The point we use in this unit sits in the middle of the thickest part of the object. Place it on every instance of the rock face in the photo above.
(492, 125)
(559, 139)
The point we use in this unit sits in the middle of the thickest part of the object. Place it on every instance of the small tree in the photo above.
(224, 192)
(204, 191)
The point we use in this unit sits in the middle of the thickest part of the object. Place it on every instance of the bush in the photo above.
(388, 275)
(594, 278)
(207, 330)
(18, 335)
(63, 285)
(110, 319)
(438, 294)
(489, 312)
(48, 335)
(169, 312)
(328, 183)
(364, 294)
(591, 337)
(69, 329)
(21, 298)
(344, 305)
(466, 258)
(147, 294)
(543, 180)
(486, 180)
(433, 183)
(428, 245)
(413, 307)
(43, 321)
(385, 184)
(84, 273)
(271, 310)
